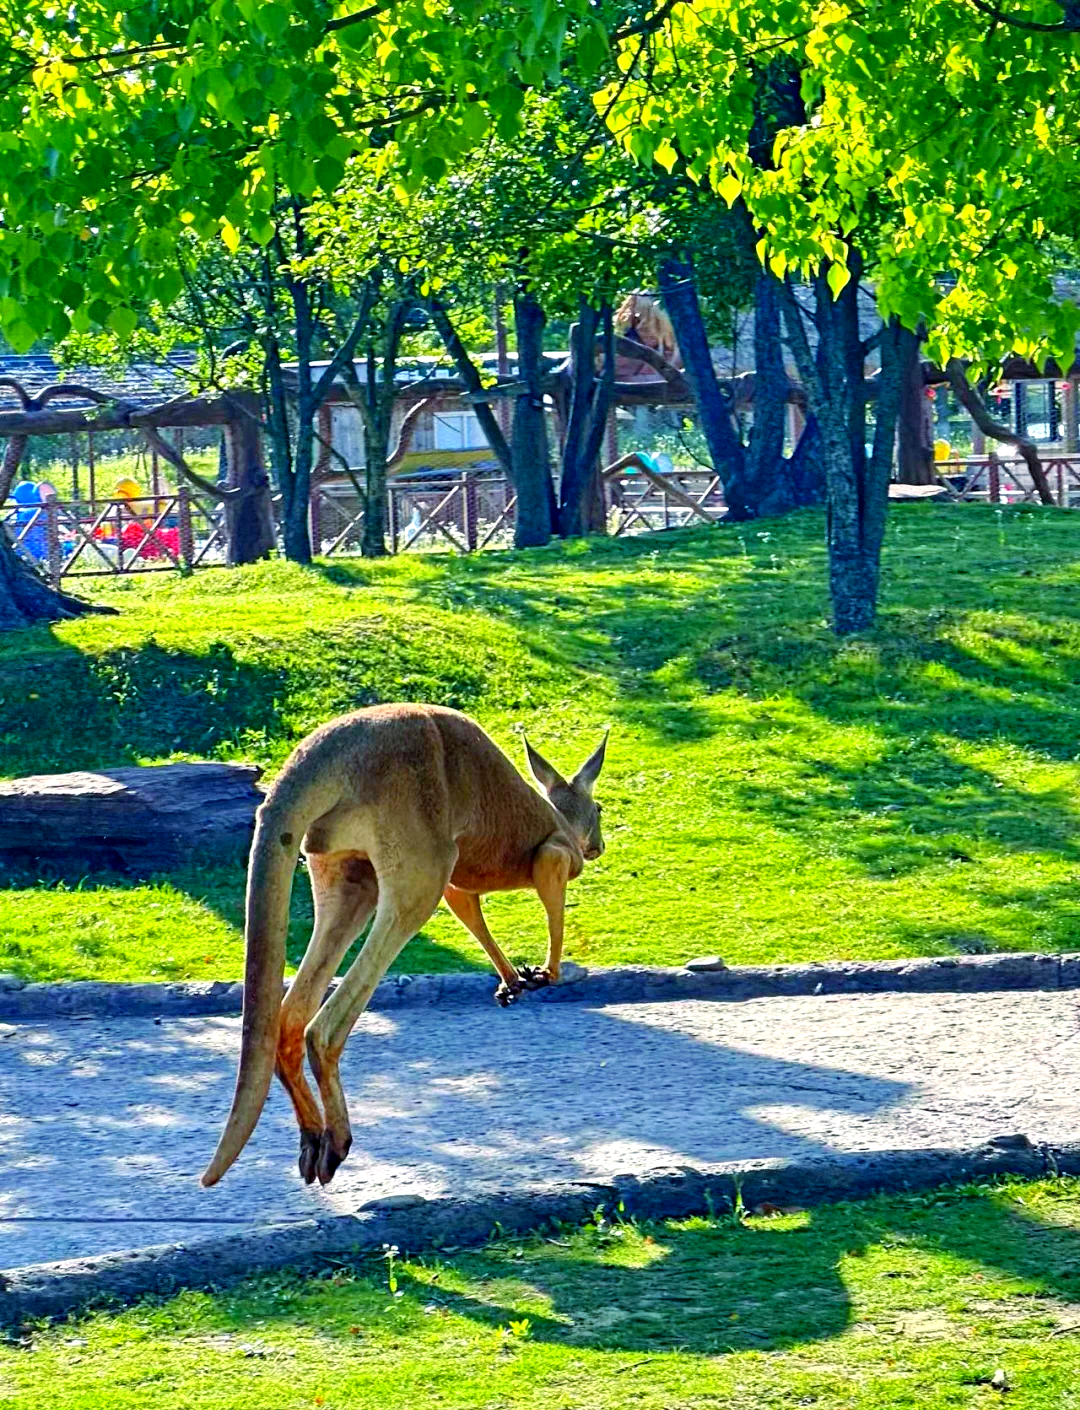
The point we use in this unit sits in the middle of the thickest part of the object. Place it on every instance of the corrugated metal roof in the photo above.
(141, 383)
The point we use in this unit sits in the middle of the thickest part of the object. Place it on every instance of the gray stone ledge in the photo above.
(622, 984)
(416, 1224)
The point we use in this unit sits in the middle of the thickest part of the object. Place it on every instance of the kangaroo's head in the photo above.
(574, 799)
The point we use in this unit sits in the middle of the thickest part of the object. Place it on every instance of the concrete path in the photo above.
(106, 1125)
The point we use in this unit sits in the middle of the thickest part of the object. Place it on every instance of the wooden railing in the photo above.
(991, 479)
(463, 512)
(70, 538)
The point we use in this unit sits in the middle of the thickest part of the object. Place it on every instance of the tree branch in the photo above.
(1070, 25)
(164, 448)
(976, 408)
(470, 376)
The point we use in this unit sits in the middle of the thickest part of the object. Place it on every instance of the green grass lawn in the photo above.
(896, 1302)
(771, 794)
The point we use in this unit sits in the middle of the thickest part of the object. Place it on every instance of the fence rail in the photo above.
(993, 480)
(113, 537)
(466, 513)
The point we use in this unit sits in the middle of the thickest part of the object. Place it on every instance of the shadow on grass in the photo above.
(64, 709)
(711, 1288)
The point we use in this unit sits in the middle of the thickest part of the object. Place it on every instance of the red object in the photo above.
(147, 544)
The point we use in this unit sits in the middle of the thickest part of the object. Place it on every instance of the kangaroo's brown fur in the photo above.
(393, 808)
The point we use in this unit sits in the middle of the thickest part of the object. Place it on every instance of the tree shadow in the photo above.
(712, 1288)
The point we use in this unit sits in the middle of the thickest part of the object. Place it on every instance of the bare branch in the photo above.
(976, 408)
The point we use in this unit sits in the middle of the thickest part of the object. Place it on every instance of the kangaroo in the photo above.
(393, 807)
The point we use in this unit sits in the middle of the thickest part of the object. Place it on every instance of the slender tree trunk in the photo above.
(470, 376)
(679, 294)
(915, 454)
(857, 490)
(528, 436)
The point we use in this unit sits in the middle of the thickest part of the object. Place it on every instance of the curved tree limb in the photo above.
(168, 452)
(1069, 25)
(977, 409)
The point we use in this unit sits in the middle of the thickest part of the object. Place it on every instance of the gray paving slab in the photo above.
(105, 1125)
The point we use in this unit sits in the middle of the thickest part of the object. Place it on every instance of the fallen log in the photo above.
(137, 820)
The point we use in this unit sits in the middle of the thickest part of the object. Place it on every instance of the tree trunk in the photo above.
(470, 376)
(679, 294)
(249, 515)
(915, 453)
(774, 485)
(857, 490)
(528, 436)
(25, 596)
(580, 493)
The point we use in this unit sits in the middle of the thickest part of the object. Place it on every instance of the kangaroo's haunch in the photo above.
(393, 808)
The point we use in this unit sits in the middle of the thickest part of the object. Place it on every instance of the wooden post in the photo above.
(471, 511)
(1069, 409)
(52, 541)
(186, 531)
(155, 481)
(1061, 496)
(315, 519)
(90, 467)
(392, 517)
(74, 444)
(994, 478)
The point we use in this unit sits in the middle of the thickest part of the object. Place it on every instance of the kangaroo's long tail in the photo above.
(282, 820)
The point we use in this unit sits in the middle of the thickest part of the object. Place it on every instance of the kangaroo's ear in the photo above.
(589, 772)
(545, 774)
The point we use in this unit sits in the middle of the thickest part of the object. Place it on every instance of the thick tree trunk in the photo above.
(679, 294)
(528, 435)
(373, 539)
(581, 496)
(25, 596)
(915, 452)
(249, 515)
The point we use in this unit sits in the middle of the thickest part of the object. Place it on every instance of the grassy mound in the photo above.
(771, 793)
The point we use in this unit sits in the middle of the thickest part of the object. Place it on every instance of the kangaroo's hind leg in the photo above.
(409, 892)
(345, 893)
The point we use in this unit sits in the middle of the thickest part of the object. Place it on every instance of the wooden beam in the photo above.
(116, 416)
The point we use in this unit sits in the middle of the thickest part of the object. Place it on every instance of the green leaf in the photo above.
(666, 155)
(123, 322)
(592, 47)
(838, 276)
(730, 188)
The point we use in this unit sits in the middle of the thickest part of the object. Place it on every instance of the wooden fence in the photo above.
(106, 538)
(466, 513)
(992, 480)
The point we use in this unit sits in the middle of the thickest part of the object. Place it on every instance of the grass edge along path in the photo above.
(944, 1299)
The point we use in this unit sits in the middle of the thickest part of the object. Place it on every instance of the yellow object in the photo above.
(127, 489)
(942, 450)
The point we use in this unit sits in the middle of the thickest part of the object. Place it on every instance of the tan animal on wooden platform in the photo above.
(393, 808)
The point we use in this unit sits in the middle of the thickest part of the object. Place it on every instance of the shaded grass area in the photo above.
(771, 793)
(912, 1301)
